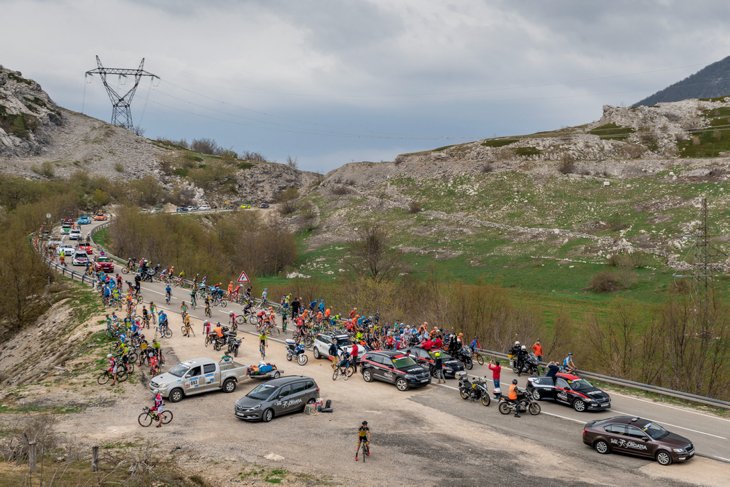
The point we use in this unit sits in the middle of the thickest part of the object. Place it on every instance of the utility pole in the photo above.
(121, 104)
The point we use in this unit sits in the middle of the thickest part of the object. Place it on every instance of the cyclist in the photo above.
(344, 361)
(183, 308)
(207, 308)
(168, 292)
(474, 344)
(193, 295)
(113, 368)
(568, 365)
(145, 316)
(232, 320)
(263, 297)
(206, 328)
(187, 325)
(230, 289)
(153, 308)
(157, 408)
(363, 434)
(262, 344)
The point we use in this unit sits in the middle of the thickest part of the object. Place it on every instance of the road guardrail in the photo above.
(685, 396)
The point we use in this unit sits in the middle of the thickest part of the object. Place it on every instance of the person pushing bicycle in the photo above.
(363, 434)
(157, 408)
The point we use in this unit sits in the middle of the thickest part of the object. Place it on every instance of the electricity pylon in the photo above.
(121, 104)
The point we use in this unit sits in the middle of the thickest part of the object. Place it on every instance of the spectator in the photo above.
(496, 372)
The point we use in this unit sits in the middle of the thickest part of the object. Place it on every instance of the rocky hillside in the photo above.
(28, 116)
(40, 140)
(710, 82)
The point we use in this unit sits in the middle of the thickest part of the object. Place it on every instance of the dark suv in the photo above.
(277, 397)
(639, 437)
(428, 359)
(395, 367)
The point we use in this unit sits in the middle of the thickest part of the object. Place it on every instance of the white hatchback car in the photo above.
(80, 258)
(66, 249)
(74, 234)
(204, 208)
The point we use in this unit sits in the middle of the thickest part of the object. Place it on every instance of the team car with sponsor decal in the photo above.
(571, 390)
(395, 367)
(321, 344)
(639, 437)
(198, 376)
(277, 397)
(426, 358)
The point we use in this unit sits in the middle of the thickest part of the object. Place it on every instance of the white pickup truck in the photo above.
(196, 377)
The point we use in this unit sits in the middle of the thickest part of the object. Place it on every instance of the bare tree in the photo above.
(205, 146)
(292, 162)
(372, 255)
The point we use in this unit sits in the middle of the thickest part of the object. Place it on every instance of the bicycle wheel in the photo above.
(240, 320)
(224, 303)
(166, 417)
(350, 371)
(182, 329)
(335, 373)
(103, 378)
(125, 270)
(275, 332)
(122, 375)
(132, 358)
(168, 333)
(480, 359)
(145, 419)
(192, 332)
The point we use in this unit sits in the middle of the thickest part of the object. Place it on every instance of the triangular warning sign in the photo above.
(243, 277)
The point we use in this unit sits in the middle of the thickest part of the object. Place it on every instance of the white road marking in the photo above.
(684, 410)
(669, 424)
(721, 458)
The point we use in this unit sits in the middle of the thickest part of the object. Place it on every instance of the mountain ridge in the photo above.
(712, 81)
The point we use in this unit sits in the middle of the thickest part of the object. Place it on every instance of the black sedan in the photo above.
(571, 390)
(427, 359)
(638, 437)
(395, 367)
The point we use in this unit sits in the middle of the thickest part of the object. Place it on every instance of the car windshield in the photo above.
(444, 356)
(655, 431)
(344, 342)
(402, 361)
(580, 384)
(103, 259)
(261, 392)
(179, 370)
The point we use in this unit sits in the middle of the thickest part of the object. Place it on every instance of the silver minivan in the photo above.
(277, 397)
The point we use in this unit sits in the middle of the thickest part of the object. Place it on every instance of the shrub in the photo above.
(695, 141)
(118, 167)
(486, 168)
(604, 282)
(499, 142)
(253, 156)
(527, 151)
(292, 162)
(45, 169)
(415, 207)
(566, 164)
(205, 146)
(340, 190)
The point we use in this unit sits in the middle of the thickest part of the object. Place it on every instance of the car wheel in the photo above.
(579, 405)
(276, 374)
(311, 401)
(401, 384)
(664, 458)
(288, 357)
(367, 376)
(536, 395)
(229, 385)
(176, 395)
(316, 353)
(601, 447)
(267, 416)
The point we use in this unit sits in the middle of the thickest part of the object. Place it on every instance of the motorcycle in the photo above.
(530, 365)
(294, 350)
(464, 356)
(524, 403)
(474, 391)
(233, 343)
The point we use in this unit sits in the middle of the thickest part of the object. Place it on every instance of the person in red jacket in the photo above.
(427, 345)
(496, 372)
(438, 343)
(354, 353)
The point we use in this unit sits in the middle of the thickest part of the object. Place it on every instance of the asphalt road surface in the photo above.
(557, 425)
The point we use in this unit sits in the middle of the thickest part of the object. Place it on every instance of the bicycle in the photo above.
(193, 302)
(148, 416)
(207, 311)
(187, 330)
(105, 376)
(363, 445)
(476, 356)
(165, 331)
(339, 369)
(167, 298)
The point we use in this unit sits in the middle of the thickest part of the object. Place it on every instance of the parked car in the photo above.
(198, 376)
(394, 367)
(204, 208)
(74, 234)
(245, 206)
(423, 357)
(192, 208)
(80, 258)
(104, 264)
(321, 344)
(570, 390)
(264, 205)
(182, 209)
(638, 437)
(277, 397)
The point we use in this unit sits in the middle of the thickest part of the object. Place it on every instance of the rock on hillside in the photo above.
(28, 116)
(266, 180)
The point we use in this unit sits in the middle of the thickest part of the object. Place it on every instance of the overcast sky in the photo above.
(334, 81)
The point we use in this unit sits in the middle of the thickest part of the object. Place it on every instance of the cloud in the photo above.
(282, 77)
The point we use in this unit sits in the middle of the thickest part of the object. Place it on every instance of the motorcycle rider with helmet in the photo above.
(512, 397)
(521, 359)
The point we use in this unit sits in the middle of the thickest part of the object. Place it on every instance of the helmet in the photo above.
(517, 344)
(570, 353)
(514, 381)
(156, 391)
(231, 313)
(437, 354)
(365, 422)
(266, 289)
(497, 391)
(262, 363)
(524, 347)
(109, 356)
